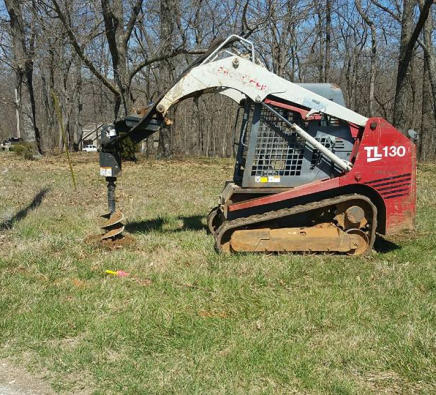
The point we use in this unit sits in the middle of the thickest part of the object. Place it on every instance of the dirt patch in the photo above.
(16, 380)
(115, 243)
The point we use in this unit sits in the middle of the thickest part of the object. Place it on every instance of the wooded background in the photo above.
(105, 58)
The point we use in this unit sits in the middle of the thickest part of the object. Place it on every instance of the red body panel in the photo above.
(384, 162)
(300, 110)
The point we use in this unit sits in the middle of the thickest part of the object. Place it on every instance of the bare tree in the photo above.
(429, 54)
(118, 36)
(428, 109)
(169, 10)
(135, 49)
(372, 73)
(409, 37)
(328, 33)
(23, 49)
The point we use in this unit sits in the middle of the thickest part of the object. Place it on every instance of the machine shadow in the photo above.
(189, 223)
(20, 215)
(383, 246)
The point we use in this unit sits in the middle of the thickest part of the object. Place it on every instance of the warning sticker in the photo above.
(106, 171)
(274, 179)
(264, 180)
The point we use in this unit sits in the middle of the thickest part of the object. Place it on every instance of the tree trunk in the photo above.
(29, 85)
(401, 92)
(47, 85)
(18, 109)
(168, 14)
(23, 60)
(430, 56)
(373, 60)
(78, 107)
(409, 36)
(320, 63)
(426, 149)
(427, 118)
(118, 35)
(113, 14)
(328, 32)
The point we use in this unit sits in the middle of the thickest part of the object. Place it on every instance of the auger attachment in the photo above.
(110, 160)
(110, 168)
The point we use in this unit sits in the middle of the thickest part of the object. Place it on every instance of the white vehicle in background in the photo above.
(89, 148)
(5, 146)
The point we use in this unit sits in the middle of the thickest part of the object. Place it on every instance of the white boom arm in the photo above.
(237, 77)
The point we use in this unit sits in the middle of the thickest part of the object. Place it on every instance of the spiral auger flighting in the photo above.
(113, 227)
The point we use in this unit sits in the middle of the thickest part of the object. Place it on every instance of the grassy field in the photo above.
(189, 320)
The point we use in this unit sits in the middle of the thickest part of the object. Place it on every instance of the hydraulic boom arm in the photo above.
(227, 73)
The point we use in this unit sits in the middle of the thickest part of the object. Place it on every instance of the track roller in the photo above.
(361, 242)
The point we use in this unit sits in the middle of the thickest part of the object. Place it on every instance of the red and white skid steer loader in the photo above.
(310, 176)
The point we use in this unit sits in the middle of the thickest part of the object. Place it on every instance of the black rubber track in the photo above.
(222, 232)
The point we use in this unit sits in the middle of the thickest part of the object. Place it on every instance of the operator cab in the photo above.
(271, 155)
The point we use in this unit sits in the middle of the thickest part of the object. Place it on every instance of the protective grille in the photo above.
(279, 151)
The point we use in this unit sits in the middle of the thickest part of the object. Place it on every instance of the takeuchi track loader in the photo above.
(310, 175)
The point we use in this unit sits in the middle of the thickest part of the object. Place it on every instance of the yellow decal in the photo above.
(265, 180)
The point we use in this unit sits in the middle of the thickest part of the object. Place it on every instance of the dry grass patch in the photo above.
(189, 320)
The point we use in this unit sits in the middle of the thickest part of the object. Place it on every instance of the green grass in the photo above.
(189, 320)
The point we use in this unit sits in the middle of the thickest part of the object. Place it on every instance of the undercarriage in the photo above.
(344, 224)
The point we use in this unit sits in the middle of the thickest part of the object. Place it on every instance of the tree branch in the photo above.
(133, 17)
(363, 14)
(80, 52)
(159, 58)
(110, 31)
(418, 28)
(386, 9)
(424, 47)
